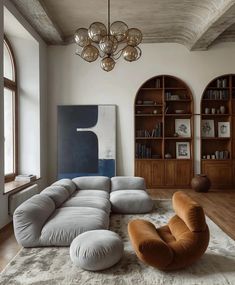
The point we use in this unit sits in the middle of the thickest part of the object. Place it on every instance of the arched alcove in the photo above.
(164, 132)
(217, 131)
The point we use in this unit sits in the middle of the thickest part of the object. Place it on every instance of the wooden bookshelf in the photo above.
(156, 105)
(218, 153)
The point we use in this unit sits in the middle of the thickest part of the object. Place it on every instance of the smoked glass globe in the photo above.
(120, 30)
(134, 37)
(130, 53)
(97, 31)
(108, 44)
(107, 64)
(81, 37)
(90, 53)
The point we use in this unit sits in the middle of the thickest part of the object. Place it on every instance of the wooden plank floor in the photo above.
(219, 206)
(8, 245)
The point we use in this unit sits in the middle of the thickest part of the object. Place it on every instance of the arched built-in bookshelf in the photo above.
(164, 133)
(218, 131)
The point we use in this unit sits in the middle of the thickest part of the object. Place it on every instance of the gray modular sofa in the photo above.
(68, 208)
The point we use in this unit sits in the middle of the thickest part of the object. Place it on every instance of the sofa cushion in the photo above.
(93, 182)
(30, 217)
(89, 201)
(91, 193)
(68, 222)
(66, 183)
(57, 193)
(127, 183)
(130, 202)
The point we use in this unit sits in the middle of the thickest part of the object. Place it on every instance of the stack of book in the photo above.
(217, 94)
(25, 177)
(142, 133)
(143, 151)
(224, 154)
(158, 83)
(157, 132)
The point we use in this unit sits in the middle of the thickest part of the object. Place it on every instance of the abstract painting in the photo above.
(86, 140)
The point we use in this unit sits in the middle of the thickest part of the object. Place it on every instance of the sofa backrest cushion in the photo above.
(66, 183)
(189, 211)
(93, 183)
(127, 183)
(30, 217)
(58, 194)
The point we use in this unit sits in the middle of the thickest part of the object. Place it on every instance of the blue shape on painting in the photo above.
(77, 117)
(106, 168)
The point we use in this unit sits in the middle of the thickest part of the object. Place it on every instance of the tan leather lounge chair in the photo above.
(178, 244)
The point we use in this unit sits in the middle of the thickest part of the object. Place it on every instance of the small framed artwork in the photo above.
(208, 128)
(182, 150)
(224, 129)
(182, 127)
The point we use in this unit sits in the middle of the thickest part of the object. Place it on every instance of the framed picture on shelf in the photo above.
(182, 150)
(208, 128)
(182, 127)
(224, 129)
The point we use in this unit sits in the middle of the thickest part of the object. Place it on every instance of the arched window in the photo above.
(10, 112)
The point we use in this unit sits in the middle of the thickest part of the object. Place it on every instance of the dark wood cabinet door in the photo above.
(233, 136)
(183, 173)
(220, 173)
(158, 173)
(169, 173)
(143, 168)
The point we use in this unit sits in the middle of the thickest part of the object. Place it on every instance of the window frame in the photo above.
(12, 86)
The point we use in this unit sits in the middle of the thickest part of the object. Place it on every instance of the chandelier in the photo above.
(109, 43)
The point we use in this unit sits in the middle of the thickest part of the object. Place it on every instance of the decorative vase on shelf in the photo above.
(201, 183)
(222, 109)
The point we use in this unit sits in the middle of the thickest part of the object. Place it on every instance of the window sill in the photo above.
(15, 186)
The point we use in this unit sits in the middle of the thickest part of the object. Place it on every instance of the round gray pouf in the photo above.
(96, 250)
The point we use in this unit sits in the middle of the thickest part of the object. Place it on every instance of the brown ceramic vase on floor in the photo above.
(201, 183)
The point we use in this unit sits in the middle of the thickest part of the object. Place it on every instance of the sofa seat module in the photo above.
(91, 202)
(63, 211)
(66, 223)
(129, 196)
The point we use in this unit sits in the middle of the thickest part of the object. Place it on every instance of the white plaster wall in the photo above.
(36, 86)
(73, 81)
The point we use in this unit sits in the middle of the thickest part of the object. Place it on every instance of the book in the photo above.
(25, 177)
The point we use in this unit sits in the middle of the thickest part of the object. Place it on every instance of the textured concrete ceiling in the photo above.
(193, 23)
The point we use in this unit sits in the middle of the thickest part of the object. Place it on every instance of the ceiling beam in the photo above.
(215, 26)
(37, 15)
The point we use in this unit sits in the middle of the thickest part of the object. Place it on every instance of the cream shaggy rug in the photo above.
(47, 266)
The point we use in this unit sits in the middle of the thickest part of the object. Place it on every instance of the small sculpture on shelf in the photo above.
(222, 109)
(168, 156)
